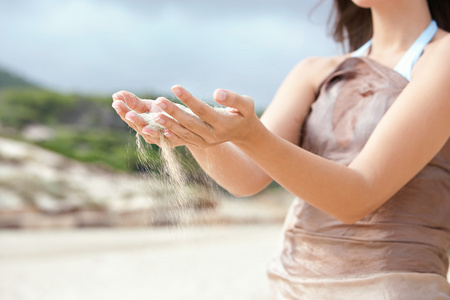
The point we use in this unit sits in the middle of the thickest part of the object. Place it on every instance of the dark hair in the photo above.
(351, 25)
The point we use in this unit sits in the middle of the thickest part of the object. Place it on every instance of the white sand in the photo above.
(148, 117)
(194, 263)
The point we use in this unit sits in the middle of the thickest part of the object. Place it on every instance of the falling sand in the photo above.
(183, 196)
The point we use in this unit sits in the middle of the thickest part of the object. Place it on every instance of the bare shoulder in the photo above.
(441, 46)
(288, 109)
(316, 68)
(436, 54)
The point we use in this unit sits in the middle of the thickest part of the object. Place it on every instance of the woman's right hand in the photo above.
(128, 106)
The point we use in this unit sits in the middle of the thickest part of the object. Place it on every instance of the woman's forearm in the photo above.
(231, 168)
(327, 185)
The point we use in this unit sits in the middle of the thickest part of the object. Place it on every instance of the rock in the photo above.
(10, 201)
(38, 133)
(34, 177)
(37, 185)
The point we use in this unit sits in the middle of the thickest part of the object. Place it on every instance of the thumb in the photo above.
(244, 104)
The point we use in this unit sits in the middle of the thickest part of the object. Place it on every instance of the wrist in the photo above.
(253, 134)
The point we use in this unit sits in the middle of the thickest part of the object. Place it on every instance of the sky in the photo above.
(100, 46)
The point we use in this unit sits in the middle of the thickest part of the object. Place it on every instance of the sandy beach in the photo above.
(213, 262)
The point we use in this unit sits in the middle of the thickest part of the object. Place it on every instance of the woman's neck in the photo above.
(397, 24)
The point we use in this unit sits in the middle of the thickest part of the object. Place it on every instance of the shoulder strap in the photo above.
(405, 65)
(363, 49)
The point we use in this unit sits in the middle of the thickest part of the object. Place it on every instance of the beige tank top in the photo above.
(410, 232)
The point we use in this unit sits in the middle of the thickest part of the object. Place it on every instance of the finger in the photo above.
(243, 104)
(172, 126)
(150, 135)
(187, 119)
(133, 102)
(152, 140)
(177, 141)
(136, 120)
(141, 126)
(172, 140)
(132, 119)
(122, 109)
(149, 130)
(198, 107)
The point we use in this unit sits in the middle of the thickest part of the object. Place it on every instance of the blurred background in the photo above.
(82, 215)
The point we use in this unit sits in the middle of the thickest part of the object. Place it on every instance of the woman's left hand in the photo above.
(238, 123)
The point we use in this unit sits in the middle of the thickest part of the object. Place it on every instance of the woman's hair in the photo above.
(351, 25)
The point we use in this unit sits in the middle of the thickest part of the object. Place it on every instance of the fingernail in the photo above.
(117, 96)
(221, 95)
(116, 106)
(148, 131)
(159, 120)
(128, 116)
(161, 104)
(167, 133)
(176, 91)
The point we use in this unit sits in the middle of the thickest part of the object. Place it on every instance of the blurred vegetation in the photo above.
(9, 80)
(83, 127)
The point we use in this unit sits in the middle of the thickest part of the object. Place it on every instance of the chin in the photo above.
(365, 3)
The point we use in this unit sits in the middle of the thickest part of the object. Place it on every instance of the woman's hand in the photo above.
(237, 123)
(128, 106)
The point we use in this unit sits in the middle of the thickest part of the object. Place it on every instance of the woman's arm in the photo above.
(228, 165)
(409, 135)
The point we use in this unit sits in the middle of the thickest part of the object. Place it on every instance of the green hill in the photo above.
(8, 80)
(83, 127)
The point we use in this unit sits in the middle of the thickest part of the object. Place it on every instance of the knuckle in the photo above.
(210, 140)
(186, 135)
(250, 104)
(168, 123)
(200, 111)
(190, 122)
(232, 100)
(170, 109)
(247, 98)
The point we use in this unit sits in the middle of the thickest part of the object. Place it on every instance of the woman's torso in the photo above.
(410, 232)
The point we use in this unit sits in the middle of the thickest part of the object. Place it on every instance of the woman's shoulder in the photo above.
(440, 43)
(318, 67)
(436, 54)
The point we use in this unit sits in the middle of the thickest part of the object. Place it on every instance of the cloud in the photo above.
(102, 46)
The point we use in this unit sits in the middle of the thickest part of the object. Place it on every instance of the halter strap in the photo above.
(406, 63)
(363, 49)
(411, 56)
